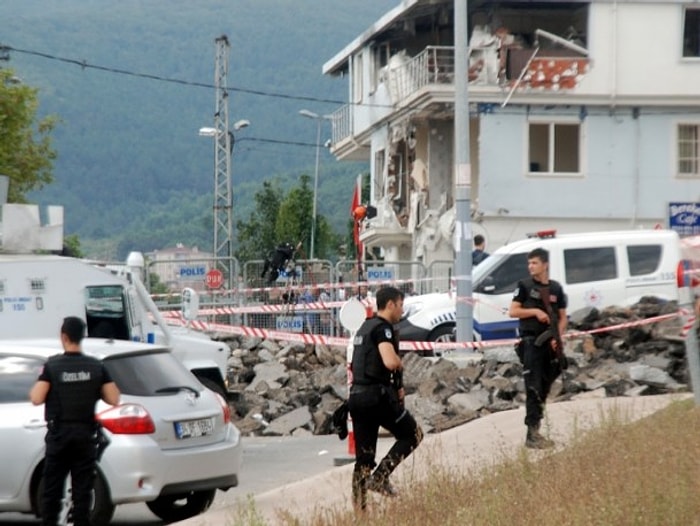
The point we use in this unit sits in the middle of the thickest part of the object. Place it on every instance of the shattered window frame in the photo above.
(688, 144)
(552, 149)
(691, 32)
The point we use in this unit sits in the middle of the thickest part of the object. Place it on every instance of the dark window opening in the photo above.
(691, 33)
(504, 277)
(105, 312)
(643, 259)
(590, 264)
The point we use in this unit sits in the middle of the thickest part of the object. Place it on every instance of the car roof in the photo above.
(98, 347)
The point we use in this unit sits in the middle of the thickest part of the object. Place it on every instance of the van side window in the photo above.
(590, 264)
(505, 276)
(643, 259)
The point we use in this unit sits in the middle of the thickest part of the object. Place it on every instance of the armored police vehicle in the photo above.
(37, 290)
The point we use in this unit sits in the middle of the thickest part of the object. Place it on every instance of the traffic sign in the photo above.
(214, 279)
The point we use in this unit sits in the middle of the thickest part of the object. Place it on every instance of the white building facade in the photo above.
(583, 116)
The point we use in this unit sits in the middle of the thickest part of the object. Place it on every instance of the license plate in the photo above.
(194, 428)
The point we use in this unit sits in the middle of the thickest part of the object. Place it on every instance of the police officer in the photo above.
(70, 385)
(540, 304)
(376, 399)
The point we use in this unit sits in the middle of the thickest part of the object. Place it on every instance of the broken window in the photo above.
(691, 33)
(554, 148)
(688, 150)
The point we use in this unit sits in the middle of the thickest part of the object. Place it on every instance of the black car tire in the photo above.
(173, 508)
(102, 509)
(443, 333)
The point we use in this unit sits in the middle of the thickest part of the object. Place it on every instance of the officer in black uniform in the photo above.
(376, 399)
(539, 303)
(70, 385)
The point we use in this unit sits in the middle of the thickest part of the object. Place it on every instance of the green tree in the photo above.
(294, 218)
(26, 155)
(257, 236)
(71, 246)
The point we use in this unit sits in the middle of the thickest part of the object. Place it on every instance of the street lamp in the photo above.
(319, 119)
(223, 195)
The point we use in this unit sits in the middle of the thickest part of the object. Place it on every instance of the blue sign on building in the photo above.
(290, 323)
(380, 274)
(684, 218)
(195, 272)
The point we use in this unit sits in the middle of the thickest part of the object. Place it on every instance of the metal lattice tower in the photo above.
(223, 197)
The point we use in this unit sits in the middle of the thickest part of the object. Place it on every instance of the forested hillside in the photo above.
(132, 171)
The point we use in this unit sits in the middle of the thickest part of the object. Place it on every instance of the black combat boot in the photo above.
(359, 488)
(535, 440)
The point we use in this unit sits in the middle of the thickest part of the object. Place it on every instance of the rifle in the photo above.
(552, 333)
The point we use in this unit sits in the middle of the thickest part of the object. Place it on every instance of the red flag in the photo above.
(356, 202)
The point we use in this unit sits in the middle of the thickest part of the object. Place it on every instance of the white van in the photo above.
(596, 269)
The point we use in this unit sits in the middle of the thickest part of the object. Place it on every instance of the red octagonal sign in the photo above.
(214, 279)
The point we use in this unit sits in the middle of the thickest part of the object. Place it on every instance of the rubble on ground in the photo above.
(284, 388)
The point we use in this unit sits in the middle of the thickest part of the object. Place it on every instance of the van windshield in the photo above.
(500, 274)
(105, 312)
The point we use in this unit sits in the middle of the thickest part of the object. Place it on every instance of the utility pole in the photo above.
(223, 196)
(463, 177)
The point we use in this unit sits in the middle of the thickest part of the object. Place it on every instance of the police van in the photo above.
(596, 269)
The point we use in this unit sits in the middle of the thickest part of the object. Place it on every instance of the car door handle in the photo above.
(35, 424)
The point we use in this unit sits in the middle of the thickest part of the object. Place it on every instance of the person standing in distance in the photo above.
(479, 253)
(539, 303)
(376, 399)
(70, 385)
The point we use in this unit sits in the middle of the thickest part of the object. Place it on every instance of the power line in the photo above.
(83, 64)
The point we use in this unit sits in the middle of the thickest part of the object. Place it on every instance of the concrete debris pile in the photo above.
(282, 388)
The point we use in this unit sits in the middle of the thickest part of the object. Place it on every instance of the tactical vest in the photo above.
(367, 366)
(76, 385)
(531, 326)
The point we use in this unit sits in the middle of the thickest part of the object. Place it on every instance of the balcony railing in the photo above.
(341, 123)
(433, 65)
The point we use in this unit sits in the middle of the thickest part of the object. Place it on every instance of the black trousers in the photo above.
(540, 369)
(378, 406)
(70, 448)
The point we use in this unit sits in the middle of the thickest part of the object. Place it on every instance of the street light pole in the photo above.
(319, 119)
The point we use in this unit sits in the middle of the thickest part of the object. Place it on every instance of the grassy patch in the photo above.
(643, 473)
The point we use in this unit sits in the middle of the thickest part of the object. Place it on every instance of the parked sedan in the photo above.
(171, 441)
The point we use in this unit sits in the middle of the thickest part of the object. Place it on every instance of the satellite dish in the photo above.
(353, 314)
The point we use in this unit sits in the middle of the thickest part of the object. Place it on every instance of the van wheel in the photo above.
(443, 334)
(173, 508)
(101, 507)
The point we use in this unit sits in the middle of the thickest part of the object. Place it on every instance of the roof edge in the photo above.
(335, 63)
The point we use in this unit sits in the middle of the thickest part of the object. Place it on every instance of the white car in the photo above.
(171, 441)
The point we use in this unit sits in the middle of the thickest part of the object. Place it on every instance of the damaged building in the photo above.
(583, 116)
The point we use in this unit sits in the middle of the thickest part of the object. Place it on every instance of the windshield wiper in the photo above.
(177, 389)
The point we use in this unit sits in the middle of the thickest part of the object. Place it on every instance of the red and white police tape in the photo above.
(412, 345)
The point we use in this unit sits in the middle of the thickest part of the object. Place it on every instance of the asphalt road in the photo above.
(268, 463)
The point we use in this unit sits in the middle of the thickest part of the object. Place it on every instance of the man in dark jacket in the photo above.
(540, 304)
(376, 399)
(70, 385)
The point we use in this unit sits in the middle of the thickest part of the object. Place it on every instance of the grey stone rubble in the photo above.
(284, 388)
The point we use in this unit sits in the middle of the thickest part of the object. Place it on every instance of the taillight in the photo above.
(225, 408)
(127, 419)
